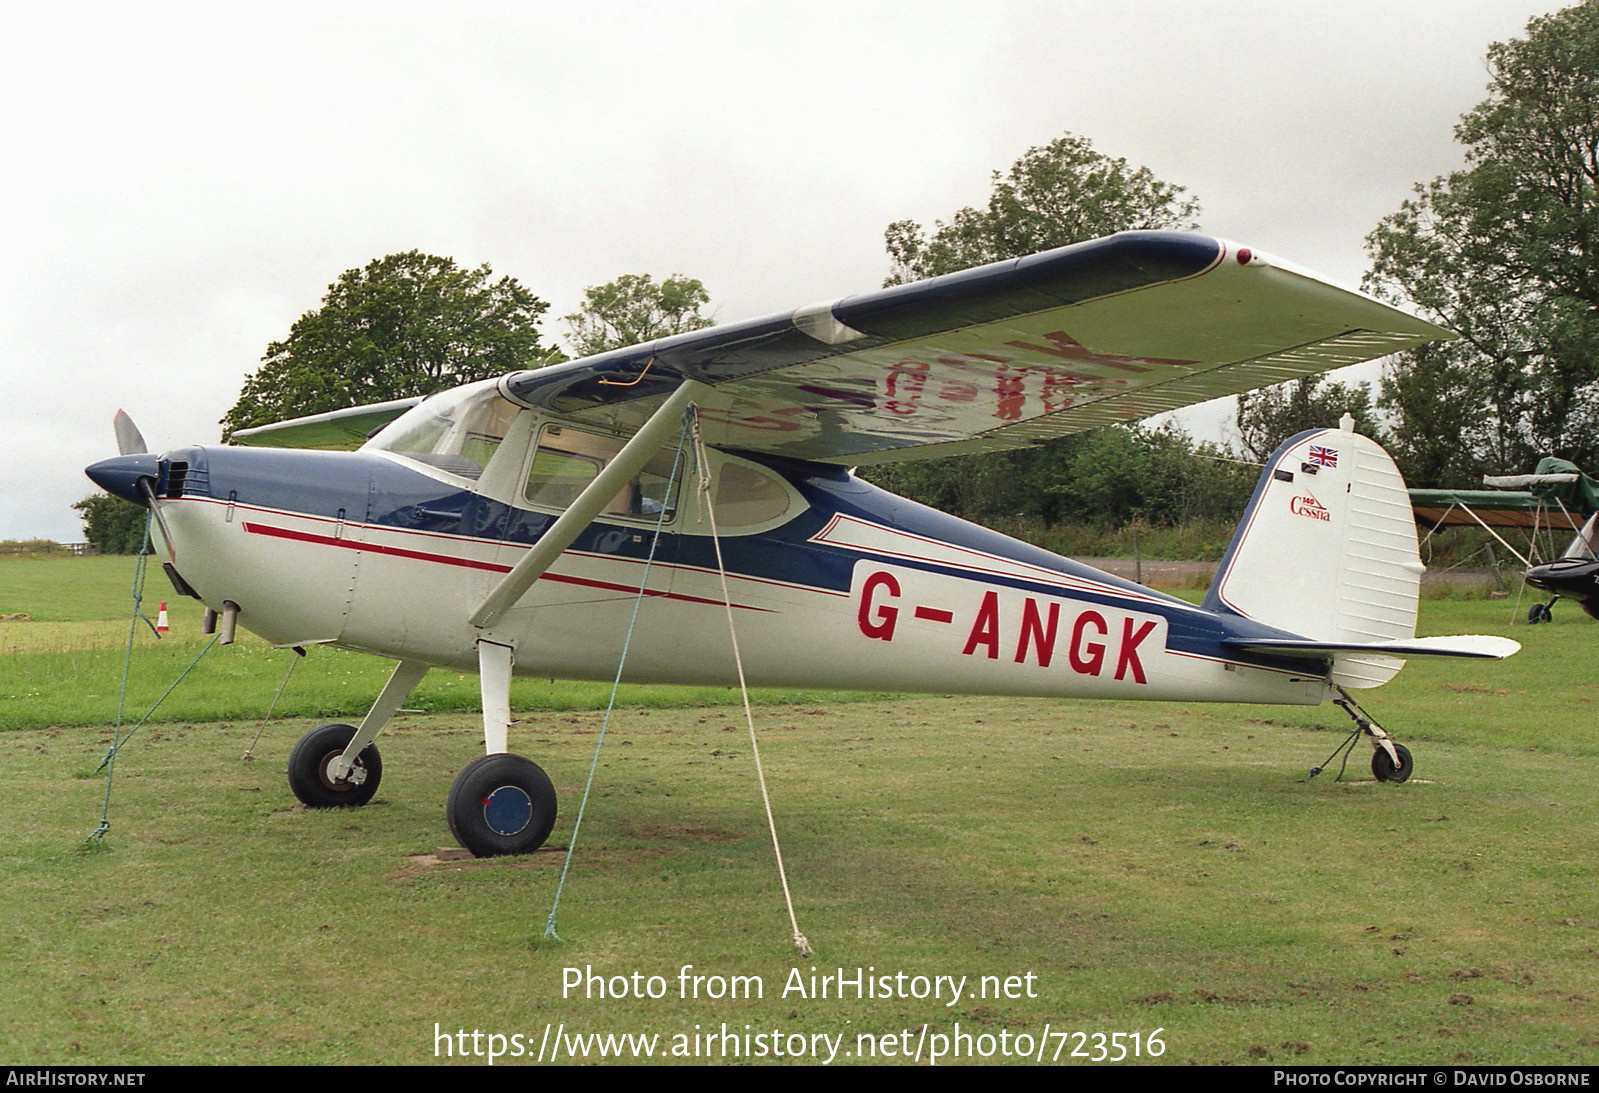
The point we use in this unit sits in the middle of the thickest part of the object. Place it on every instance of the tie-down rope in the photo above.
(109, 763)
(800, 943)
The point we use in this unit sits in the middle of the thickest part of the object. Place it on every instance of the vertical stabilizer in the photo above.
(1327, 550)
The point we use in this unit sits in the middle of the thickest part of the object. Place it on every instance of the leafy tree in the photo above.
(1104, 478)
(408, 324)
(633, 309)
(1159, 476)
(1504, 253)
(1061, 193)
(1271, 415)
(112, 525)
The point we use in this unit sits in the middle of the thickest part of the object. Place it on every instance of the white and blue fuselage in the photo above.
(848, 586)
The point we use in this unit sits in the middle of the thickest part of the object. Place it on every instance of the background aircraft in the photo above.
(668, 498)
(1555, 497)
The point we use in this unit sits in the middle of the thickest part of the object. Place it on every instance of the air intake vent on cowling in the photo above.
(177, 473)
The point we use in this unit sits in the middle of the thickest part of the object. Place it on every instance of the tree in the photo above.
(1061, 193)
(1104, 478)
(1116, 475)
(1270, 416)
(408, 324)
(112, 525)
(634, 309)
(1503, 252)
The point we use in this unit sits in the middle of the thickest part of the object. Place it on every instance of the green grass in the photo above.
(62, 665)
(1151, 865)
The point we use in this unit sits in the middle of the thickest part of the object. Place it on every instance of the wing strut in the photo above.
(589, 504)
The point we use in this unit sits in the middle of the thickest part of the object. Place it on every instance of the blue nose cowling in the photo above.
(120, 476)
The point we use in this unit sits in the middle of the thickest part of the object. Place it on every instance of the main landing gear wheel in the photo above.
(312, 759)
(501, 804)
(1383, 769)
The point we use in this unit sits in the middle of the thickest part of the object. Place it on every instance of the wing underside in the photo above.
(994, 358)
(337, 430)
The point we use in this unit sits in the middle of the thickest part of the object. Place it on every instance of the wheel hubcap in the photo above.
(356, 776)
(508, 810)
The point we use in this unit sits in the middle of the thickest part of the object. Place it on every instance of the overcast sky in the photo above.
(182, 182)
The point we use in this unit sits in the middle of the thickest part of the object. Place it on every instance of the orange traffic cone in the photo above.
(161, 619)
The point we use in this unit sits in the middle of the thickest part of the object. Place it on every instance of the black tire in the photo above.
(1383, 769)
(1538, 612)
(501, 804)
(308, 769)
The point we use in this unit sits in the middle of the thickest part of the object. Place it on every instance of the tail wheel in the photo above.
(1383, 769)
(311, 763)
(501, 804)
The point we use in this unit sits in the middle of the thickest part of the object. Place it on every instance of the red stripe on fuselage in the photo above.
(469, 563)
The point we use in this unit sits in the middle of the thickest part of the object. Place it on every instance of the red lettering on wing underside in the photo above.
(904, 385)
(1012, 398)
(1065, 346)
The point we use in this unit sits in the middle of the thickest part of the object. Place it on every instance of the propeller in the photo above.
(129, 440)
(131, 474)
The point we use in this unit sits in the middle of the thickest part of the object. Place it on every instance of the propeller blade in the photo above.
(166, 532)
(129, 440)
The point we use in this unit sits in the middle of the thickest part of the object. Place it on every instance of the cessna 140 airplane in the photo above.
(509, 526)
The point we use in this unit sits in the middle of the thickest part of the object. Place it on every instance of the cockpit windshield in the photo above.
(456, 431)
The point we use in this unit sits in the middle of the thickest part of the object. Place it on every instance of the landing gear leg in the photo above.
(335, 764)
(500, 803)
(407, 674)
(1390, 762)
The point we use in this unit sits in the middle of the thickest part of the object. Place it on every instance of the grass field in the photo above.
(1149, 867)
(62, 664)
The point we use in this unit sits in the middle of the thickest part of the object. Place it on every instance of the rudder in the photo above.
(1327, 550)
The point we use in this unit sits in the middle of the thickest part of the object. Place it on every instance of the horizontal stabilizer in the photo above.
(1463, 645)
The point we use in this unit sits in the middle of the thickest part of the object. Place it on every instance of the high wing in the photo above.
(337, 430)
(998, 357)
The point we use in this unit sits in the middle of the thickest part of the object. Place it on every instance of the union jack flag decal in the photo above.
(1323, 457)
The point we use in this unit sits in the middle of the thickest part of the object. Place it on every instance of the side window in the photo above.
(568, 459)
(745, 496)
(557, 477)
